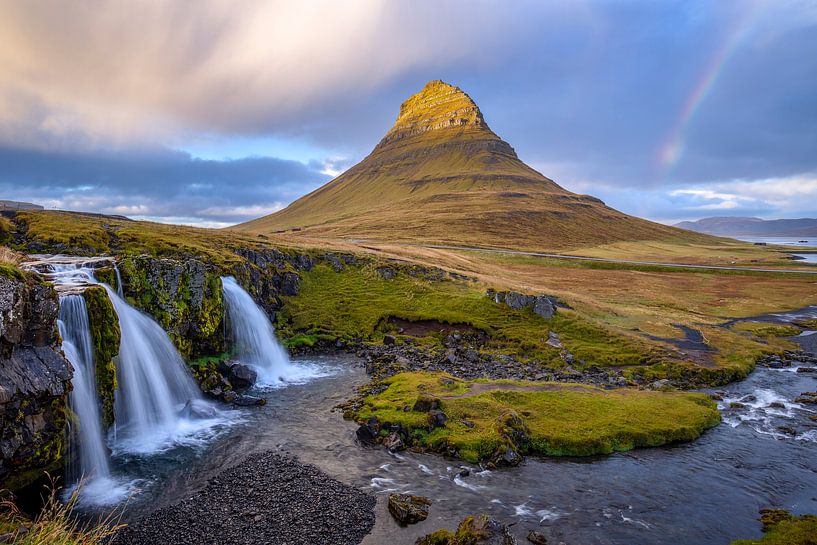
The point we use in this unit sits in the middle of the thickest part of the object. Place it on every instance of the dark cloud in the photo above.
(156, 183)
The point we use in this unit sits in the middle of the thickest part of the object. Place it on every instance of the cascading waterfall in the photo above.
(158, 404)
(255, 340)
(90, 460)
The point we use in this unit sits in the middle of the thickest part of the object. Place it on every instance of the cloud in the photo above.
(158, 184)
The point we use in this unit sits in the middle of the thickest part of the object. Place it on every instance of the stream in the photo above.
(705, 492)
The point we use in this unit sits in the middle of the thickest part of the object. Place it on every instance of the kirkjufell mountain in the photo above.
(441, 175)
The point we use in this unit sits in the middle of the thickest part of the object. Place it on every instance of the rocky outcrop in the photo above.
(105, 335)
(541, 305)
(474, 530)
(408, 509)
(183, 296)
(34, 382)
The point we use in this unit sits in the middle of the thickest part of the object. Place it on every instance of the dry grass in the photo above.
(55, 524)
(9, 256)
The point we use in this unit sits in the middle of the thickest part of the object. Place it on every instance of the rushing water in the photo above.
(706, 492)
(158, 404)
(254, 340)
(89, 462)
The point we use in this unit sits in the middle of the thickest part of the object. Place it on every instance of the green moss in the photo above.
(105, 335)
(554, 419)
(786, 530)
(808, 324)
(353, 305)
(7, 228)
(11, 271)
(763, 329)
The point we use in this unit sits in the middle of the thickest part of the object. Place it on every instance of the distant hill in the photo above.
(441, 175)
(737, 226)
(16, 205)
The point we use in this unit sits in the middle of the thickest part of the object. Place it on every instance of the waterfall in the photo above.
(255, 340)
(158, 404)
(90, 461)
(119, 289)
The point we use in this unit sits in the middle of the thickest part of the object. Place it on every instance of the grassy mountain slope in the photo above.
(440, 175)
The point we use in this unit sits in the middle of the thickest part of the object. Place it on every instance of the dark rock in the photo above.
(242, 376)
(229, 396)
(290, 284)
(788, 430)
(369, 432)
(506, 457)
(809, 398)
(249, 401)
(386, 272)
(807, 369)
(389, 339)
(543, 306)
(426, 403)
(436, 419)
(776, 405)
(537, 538)
(407, 509)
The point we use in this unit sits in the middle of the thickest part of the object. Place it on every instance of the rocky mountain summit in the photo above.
(441, 175)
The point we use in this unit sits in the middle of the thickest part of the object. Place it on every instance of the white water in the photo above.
(158, 404)
(255, 341)
(90, 461)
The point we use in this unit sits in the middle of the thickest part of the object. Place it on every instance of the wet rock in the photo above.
(807, 369)
(195, 408)
(249, 401)
(389, 339)
(394, 443)
(407, 509)
(482, 530)
(788, 430)
(748, 399)
(809, 398)
(242, 376)
(716, 396)
(537, 538)
(736, 405)
(776, 405)
(369, 432)
(229, 396)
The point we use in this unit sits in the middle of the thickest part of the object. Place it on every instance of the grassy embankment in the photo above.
(782, 528)
(555, 419)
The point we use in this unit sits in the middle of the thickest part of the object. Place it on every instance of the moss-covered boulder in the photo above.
(473, 530)
(105, 335)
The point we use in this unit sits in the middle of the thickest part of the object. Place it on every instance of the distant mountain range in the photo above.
(737, 226)
(441, 175)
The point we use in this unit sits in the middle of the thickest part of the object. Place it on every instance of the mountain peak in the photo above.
(437, 106)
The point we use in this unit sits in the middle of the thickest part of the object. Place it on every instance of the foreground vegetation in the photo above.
(485, 418)
(782, 528)
(54, 525)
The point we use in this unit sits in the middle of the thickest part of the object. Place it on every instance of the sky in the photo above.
(216, 112)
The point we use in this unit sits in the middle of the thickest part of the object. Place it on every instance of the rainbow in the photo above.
(673, 148)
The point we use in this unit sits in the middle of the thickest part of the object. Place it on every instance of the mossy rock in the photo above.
(106, 336)
(782, 528)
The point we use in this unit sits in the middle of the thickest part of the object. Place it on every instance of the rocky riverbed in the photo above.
(267, 498)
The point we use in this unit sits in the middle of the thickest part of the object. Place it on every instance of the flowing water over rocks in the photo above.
(705, 492)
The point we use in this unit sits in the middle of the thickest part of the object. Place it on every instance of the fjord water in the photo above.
(89, 457)
(254, 339)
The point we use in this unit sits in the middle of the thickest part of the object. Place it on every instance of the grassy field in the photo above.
(555, 419)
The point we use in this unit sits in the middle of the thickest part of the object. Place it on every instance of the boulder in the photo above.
(537, 538)
(394, 443)
(543, 306)
(242, 376)
(436, 419)
(249, 401)
(407, 509)
(389, 339)
(426, 403)
(554, 340)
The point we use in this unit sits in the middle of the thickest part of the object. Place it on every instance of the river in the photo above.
(705, 492)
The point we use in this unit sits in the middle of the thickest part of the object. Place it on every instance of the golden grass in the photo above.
(55, 524)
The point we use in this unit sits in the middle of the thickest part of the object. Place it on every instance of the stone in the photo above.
(393, 443)
(554, 340)
(408, 509)
(249, 401)
(807, 369)
(389, 340)
(426, 403)
(537, 538)
(543, 306)
(436, 419)
(290, 284)
(242, 376)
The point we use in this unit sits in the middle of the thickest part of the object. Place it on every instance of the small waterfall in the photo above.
(158, 400)
(91, 461)
(255, 340)
(119, 290)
